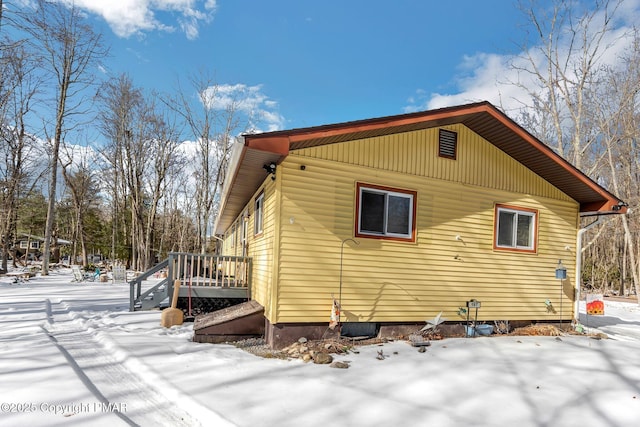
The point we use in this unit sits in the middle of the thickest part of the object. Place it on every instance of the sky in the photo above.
(73, 355)
(304, 63)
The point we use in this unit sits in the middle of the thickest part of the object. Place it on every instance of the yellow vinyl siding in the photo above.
(398, 281)
(260, 247)
(416, 153)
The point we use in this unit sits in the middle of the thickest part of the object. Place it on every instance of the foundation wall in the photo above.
(281, 335)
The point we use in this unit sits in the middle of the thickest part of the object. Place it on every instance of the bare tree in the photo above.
(18, 88)
(163, 135)
(142, 154)
(79, 177)
(124, 121)
(212, 126)
(584, 109)
(616, 111)
(564, 65)
(121, 103)
(69, 47)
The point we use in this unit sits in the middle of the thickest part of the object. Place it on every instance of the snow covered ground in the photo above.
(72, 355)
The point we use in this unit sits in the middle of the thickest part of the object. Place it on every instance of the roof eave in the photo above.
(245, 174)
(482, 118)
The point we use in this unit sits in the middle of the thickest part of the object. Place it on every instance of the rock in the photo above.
(322, 359)
(339, 365)
(307, 358)
(302, 340)
(422, 349)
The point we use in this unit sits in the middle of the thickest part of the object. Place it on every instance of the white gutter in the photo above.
(576, 304)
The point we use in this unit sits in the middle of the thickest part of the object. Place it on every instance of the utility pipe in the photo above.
(340, 290)
(576, 304)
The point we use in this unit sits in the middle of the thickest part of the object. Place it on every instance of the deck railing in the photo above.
(217, 271)
(210, 270)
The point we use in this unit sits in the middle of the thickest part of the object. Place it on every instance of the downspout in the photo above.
(576, 304)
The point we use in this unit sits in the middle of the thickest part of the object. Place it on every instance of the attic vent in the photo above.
(447, 144)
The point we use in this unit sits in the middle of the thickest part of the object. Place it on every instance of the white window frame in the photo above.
(234, 234)
(24, 244)
(258, 216)
(386, 192)
(533, 230)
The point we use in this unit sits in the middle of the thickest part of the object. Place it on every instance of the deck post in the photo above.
(171, 273)
(131, 297)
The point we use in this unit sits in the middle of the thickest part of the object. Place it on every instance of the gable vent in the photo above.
(447, 144)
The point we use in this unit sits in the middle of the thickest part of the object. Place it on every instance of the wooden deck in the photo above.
(209, 291)
(200, 275)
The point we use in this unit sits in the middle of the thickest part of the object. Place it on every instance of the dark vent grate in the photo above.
(447, 144)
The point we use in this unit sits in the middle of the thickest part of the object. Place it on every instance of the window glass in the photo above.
(372, 212)
(385, 212)
(525, 226)
(505, 228)
(399, 214)
(515, 228)
(258, 220)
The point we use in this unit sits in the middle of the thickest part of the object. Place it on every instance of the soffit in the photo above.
(482, 118)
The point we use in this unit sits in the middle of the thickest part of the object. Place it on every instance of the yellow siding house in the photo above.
(401, 218)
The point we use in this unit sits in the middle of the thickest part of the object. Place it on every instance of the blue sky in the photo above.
(323, 62)
(307, 63)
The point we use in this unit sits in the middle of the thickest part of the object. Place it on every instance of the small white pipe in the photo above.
(576, 304)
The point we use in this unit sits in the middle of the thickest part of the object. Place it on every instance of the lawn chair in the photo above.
(81, 276)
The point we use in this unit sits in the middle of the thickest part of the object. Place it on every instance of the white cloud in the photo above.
(131, 17)
(489, 77)
(247, 100)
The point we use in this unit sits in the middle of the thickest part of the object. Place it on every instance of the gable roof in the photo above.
(253, 151)
(27, 236)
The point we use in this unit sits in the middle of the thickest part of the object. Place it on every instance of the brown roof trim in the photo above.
(473, 116)
(483, 118)
(611, 203)
(270, 144)
(367, 125)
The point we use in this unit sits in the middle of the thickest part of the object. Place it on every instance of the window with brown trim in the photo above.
(516, 229)
(385, 213)
(447, 144)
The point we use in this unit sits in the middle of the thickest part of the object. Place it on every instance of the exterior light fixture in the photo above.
(271, 169)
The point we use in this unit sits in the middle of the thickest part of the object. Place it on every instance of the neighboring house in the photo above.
(400, 218)
(31, 246)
